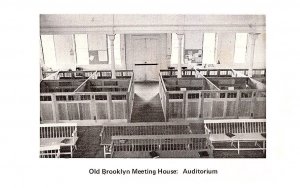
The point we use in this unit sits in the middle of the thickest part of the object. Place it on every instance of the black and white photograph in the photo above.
(137, 86)
(140, 93)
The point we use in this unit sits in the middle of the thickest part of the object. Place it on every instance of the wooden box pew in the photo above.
(212, 98)
(84, 106)
(178, 84)
(215, 72)
(85, 74)
(56, 86)
(166, 146)
(258, 74)
(53, 93)
(168, 73)
(105, 85)
(233, 104)
(110, 99)
(232, 83)
(94, 101)
(237, 98)
(67, 75)
(106, 74)
(58, 136)
(50, 75)
(183, 96)
(237, 131)
(52, 96)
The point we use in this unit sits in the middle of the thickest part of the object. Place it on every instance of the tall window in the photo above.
(174, 55)
(240, 47)
(49, 51)
(117, 49)
(209, 46)
(82, 48)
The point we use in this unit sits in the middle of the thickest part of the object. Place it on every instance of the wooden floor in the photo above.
(147, 106)
(88, 144)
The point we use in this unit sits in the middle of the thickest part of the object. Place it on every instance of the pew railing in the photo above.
(215, 104)
(50, 75)
(215, 72)
(130, 96)
(162, 143)
(164, 97)
(174, 72)
(256, 73)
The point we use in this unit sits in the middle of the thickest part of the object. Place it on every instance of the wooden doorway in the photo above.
(146, 56)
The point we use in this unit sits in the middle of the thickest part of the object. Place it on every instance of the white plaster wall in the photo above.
(193, 40)
(225, 48)
(65, 52)
(260, 52)
(97, 41)
(225, 52)
(101, 41)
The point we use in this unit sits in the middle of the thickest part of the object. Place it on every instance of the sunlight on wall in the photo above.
(240, 47)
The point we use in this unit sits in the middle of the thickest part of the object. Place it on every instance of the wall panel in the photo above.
(46, 112)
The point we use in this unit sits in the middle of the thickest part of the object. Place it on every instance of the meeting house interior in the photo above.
(152, 86)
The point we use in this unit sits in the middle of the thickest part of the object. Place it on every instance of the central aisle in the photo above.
(146, 105)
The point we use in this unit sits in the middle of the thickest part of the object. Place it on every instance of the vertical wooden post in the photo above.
(128, 106)
(184, 104)
(112, 56)
(93, 108)
(200, 106)
(237, 104)
(109, 106)
(54, 108)
(253, 101)
(179, 36)
(167, 106)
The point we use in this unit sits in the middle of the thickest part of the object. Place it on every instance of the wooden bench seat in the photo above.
(236, 131)
(59, 135)
(50, 151)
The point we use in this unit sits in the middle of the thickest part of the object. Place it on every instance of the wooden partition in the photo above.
(92, 100)
(67, 75)
(215, 72)
(258, 74)
(212, 97)
(49, 74)
(167, 73)
(173, 73)
(106, 74)
(164, 97)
